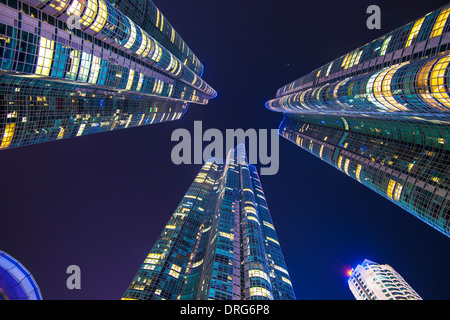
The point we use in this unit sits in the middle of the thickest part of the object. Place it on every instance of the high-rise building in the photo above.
(407, 162)
(220, 243)
(75, 67)
(16, 282)
(380, 114)
(403, 73)
(373, 281)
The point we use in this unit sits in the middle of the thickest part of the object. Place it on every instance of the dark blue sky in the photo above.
(101, 201)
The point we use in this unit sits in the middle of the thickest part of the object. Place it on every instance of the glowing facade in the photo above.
(76, 67)
(372, 281)
(220, 243)
(406, 161)
(380, 114)
(16, 282)
(404, 73)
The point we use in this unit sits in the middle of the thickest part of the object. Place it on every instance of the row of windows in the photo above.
(424, 33)
(218, 242)
(417, 179)
(420, 88)
(144, 47)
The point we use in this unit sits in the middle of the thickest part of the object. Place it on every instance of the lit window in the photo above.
(89, 13)
(76, 8)
(85, 65)
(8, 135)
(385, 45)
(440, 23)
(45, 56)
(95, 68)
(258, 291)
(59, 5)
(390, 188)
(130, 80)
(259, 274)
(132, 35)
(101, 18)
(140, 81)
(414, 31)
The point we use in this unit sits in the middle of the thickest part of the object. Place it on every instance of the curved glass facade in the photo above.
(84, 66)
(407, 161)
(404, 72)
(380, 114)
(220, 243)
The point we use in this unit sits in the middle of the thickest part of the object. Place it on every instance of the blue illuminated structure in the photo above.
(16, 282)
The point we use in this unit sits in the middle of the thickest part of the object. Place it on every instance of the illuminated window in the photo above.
(132, 35)
(61, 133)
(140, 81)
(74, 63)
(76, 8)
(130, 80)
(172, 38)
(390, 188)
(59, 5)
(85, 65)
(440, 23)
(45, 56)
(437, 81)
(398, 191)
(358, 172)
(101, 18)
(89, 13)
(340, 162)
(157, 53)
(273, 240)
(143, 43)
(258, 291)
(347, 163)
(286, 280)
(259, 274)
(95, 68)
(414, 31)
(385, 45)
(8, 135)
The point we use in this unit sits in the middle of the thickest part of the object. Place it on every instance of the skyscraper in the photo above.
(219, 244)
(16, 282)
(75, 67)
(372, 281)
(380, 114)
(403, 73)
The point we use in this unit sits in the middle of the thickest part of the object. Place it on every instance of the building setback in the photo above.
(219, 244)
(71, 68)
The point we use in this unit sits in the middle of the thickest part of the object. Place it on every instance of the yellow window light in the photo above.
(76, 8)
(440, 23)
(8, 135)
(101, 18)
(437, 81)
(89, 14)
(390, 188)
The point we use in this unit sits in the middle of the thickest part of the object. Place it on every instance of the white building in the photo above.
(373, 281)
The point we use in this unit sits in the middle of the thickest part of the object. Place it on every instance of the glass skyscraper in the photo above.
(220, 243)
(373, 281)
(16, 282)
(75, 67)
(380, 114)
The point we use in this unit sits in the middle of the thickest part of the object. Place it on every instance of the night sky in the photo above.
(101, 201)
